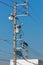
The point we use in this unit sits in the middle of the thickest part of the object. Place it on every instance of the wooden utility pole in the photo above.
(16, 26)
(14, 34)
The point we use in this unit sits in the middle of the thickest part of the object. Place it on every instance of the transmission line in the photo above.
(5, 51)
(6, 4)
(28, 61)
(5, 40)
(12, 1)
(10, 26)
(36, 52)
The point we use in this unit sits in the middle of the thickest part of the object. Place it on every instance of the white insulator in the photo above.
(18, 28)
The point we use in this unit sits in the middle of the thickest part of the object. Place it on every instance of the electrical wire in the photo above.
(1, 51)
(36, 52)
(5, 54)
(19, 63)
(12, 1)
(10, 6)
(29, 61)
(5, 60)
(34, 19)
(5, 40)
(31, 50)
(6, 4)
(23, 58)
(11, 26)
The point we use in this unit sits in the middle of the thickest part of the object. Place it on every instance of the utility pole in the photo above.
(16, 26)
(14, 62)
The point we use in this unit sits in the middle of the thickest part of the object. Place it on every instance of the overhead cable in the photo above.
(11, 26)
(6, 4)
(5, 60)
(1, 51)
(5, 40)
(35, 19)
(29, 61)
(35, 52)
(11, 0)
(25, 58)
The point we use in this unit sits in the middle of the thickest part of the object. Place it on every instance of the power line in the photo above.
(10, 26)
(25, 58)
(35, 19)
(16, 62)
(19, 63)
(5, 60)
(5, 54)
(6, 4)
(32, 50)
(29, 61)
(12, 1)
(5, 40)
(1, 51)
(35, 52)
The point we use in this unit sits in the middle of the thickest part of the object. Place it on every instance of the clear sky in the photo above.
(32, 29)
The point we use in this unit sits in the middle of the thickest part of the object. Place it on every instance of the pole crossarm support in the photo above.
(23, 14)
(21, 4)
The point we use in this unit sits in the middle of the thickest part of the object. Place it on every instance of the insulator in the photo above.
(25, 6)
(27, 13)
(18, 28)
(25, 43)
(25, 1)
(19, 48)
(19, 53)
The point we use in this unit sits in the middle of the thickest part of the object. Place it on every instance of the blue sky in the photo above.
(32, 28)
